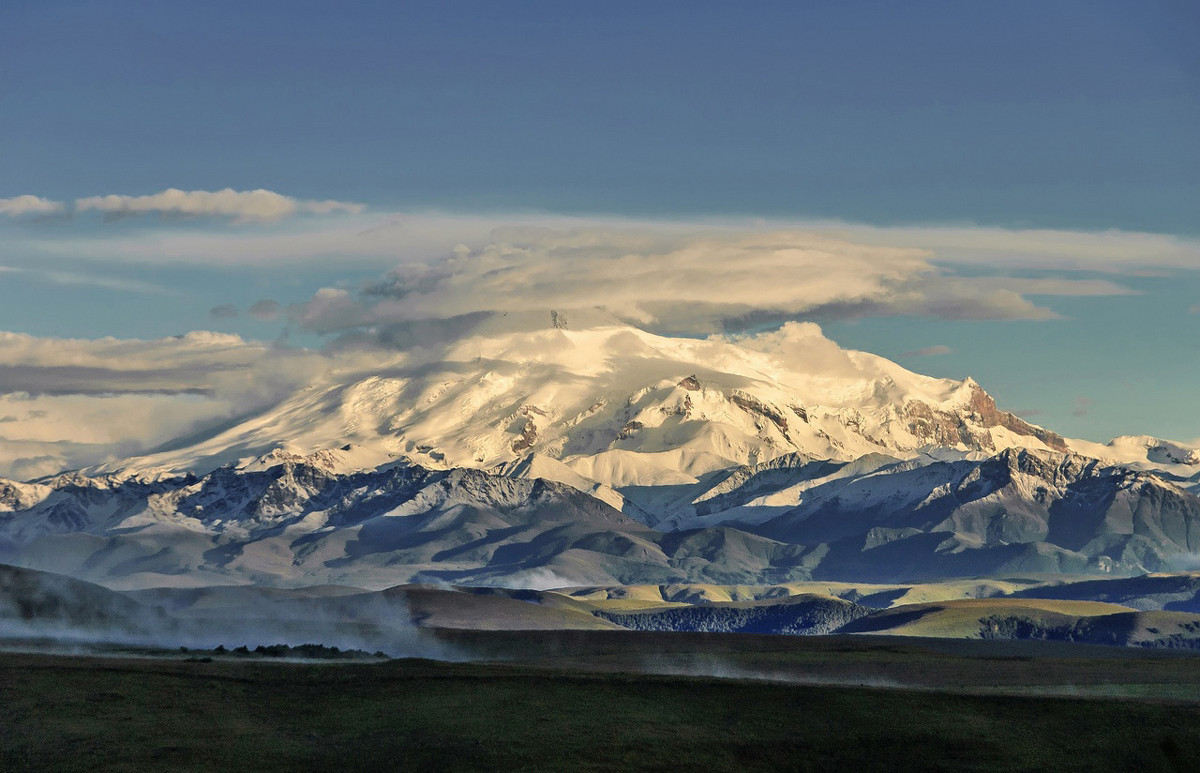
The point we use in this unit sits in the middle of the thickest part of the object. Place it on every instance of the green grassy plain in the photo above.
(135, 714)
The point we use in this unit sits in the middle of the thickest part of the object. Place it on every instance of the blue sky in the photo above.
(1057, 114)
(1073, 117)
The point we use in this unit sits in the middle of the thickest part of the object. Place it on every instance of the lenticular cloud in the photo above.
(696, 283)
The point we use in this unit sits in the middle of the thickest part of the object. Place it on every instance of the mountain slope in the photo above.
(298, 523)
(1016, 511)
(617, 406)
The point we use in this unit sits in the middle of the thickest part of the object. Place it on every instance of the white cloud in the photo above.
(199, 362)
(802, 347)
(67, 403)
(384, 240)
(243, 206)
(47, 434)
(29, 205)
(676, 282)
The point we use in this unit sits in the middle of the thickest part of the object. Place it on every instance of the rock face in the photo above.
(946, 428)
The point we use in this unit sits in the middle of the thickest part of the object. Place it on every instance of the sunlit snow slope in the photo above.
(617, 406)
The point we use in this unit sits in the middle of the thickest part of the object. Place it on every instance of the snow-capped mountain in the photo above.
(524, 451)
(610, 405)
(1178, 461)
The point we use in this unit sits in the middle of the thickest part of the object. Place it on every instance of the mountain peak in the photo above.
(614, 405)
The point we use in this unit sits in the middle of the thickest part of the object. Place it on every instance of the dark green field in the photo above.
(131, 714)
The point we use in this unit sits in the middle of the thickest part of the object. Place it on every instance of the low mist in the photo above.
(41, 612)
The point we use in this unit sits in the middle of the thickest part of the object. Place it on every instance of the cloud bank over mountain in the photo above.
(195, 228)
(441, 273)
(73, 402)
(691, 283)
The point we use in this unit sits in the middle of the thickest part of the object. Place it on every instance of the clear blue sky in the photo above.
(1080, 115)
(1063, 114)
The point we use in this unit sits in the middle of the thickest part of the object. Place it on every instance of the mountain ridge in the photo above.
(292, 522)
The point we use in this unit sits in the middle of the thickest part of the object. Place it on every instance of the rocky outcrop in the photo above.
(527, 437)
(758, 407)
(945, 428)
(18, 496)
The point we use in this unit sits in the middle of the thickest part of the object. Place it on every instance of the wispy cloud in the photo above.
(19, 206)
(390, 238)
(80, 279)
(243, 206)
(929, 351)
(264, 309)
(1121, 252)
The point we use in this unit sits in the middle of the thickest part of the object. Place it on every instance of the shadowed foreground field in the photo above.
(131, 714)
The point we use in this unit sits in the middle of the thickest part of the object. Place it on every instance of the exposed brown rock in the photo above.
(983, 405)
(629, 429)
(527, 439)
(753, 405)
(944, 428)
